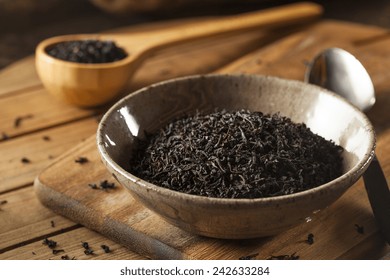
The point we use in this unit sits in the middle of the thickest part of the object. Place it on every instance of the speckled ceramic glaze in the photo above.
(150, 108)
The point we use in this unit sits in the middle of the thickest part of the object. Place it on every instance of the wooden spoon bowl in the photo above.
(83, 84)
(88, 85)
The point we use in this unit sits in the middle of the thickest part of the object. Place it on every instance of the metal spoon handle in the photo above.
(379, 196)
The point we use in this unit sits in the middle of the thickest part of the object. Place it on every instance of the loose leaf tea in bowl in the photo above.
(236, 173)
(239, 154)
(87, 51)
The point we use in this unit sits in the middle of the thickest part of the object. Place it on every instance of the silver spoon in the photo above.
(339, 71)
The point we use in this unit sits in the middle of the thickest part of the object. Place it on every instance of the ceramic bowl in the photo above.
(150, 108)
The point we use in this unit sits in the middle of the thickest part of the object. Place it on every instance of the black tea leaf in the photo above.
(238, 154)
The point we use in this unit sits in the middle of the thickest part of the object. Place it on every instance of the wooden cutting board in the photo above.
(65, 186)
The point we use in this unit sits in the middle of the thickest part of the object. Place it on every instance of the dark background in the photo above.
(23, 23)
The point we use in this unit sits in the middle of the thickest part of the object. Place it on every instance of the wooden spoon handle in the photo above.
(268, 18)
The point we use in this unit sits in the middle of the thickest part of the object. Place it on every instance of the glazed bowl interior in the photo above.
(151, 108)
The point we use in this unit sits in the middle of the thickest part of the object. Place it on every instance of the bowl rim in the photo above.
(352, 175)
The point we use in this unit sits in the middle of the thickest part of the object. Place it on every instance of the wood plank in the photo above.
(25, 222)
(36, 110)
(19, 76)
(25, 218)
(300, 48)
(334, 227)
(71, 243)
(38, 151)
(203, 56)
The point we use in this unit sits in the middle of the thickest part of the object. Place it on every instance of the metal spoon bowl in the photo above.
(339, 71)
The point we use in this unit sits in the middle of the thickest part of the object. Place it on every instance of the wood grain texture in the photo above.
(117, 215)
(11, 77)
(38, 151)
(36, 110)
(71, 244)
(33, 219)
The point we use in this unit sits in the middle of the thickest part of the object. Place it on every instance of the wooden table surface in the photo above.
(35, 129)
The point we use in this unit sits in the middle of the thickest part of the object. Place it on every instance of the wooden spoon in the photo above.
(88, 85)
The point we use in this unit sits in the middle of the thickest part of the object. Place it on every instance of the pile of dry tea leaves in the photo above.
(239, 154)
(87, 51)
